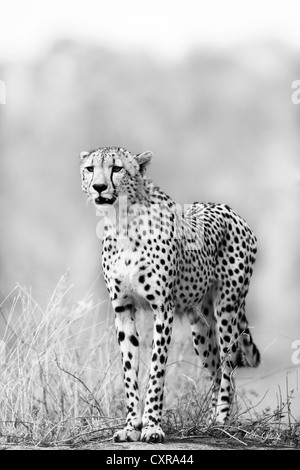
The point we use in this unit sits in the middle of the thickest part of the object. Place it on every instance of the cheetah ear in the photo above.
(144, 160)
(83, 155)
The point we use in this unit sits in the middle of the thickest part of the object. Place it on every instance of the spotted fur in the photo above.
(196, 262)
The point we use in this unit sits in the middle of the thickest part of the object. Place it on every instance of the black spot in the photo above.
(225, 398)
(121, 336)
(122, 308)
(133, 339)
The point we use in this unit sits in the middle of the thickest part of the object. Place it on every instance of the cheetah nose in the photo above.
(100, 187)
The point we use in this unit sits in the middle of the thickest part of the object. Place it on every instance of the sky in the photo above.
(167, 28)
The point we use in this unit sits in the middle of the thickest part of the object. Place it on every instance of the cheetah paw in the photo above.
(127, 435)
(153, 434)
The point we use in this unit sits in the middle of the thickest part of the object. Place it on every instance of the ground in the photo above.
(171, 444)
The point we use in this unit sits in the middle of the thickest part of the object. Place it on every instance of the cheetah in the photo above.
(159, 258)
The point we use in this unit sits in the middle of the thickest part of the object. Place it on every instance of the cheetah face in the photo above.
(109, 172)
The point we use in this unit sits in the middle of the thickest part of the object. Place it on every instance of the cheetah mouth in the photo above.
(105, 200)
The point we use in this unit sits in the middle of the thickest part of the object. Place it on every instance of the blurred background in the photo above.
(207, 86)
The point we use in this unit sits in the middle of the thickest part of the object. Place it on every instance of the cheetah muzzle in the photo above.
(196, 263)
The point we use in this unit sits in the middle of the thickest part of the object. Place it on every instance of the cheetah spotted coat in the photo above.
(157, 257)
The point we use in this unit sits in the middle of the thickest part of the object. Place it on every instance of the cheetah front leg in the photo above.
(163, 321)
(129, 344)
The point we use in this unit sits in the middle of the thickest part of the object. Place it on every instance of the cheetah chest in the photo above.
(128, 271)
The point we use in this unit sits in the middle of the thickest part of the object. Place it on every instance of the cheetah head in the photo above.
(109, 172)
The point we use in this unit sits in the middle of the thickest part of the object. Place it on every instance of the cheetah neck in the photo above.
(149, 193)
(149, 199)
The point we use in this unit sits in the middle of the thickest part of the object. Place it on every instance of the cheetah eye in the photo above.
(116, 169)
(89, 168)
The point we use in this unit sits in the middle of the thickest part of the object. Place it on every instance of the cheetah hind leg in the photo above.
(205, 346)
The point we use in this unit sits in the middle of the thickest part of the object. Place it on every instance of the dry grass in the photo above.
(246, 426)
(61, 380)
(56, 369)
